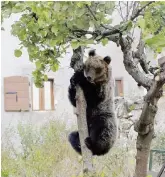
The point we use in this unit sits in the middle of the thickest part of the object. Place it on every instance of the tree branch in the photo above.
(154, 93)
(110, 30)
(121, 14)
(90, 10)
(93, 15)
(130, 65)
(141, 55)
(134, 9)
(127, 11)
(137, 13)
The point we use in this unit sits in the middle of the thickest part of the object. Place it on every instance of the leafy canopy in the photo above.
(47, 29)
(153, 26)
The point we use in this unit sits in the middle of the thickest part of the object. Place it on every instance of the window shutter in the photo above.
(118, 87)
(16, 90)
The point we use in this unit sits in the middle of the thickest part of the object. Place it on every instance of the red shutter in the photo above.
(16, 90)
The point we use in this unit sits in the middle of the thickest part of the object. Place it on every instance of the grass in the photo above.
(45, 152)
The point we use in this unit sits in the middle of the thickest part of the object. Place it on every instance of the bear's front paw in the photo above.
(88, 142)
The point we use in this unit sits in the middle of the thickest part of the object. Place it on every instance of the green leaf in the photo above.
(129, 25)
(54, 67)
(45, 77)
(79, 4)
(104, 41)
(38, 64)
(98, 37)
(75, 44)
(54, 30)
(102, 174)
(80, 12)
(157, 41)
(57, 6)
(52, 43)
(43, 33)
(141, 23)
(17, 53)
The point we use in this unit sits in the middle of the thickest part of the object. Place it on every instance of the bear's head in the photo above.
(96, 68)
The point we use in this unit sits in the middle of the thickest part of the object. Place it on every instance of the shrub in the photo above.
(45, 152)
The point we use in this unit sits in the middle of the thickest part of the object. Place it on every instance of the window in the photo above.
(119, 87)
(43, 98)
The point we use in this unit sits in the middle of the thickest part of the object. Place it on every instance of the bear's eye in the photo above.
(98, 70)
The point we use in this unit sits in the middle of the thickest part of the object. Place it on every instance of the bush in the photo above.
(45, 152)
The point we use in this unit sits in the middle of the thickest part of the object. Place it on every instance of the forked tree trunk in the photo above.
(145, 125)
(76, 64)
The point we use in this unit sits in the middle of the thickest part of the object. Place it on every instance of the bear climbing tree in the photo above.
(48, 29)
(95, 79)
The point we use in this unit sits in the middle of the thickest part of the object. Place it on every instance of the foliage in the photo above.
(153, 26)
(48, 29)
(45, 151)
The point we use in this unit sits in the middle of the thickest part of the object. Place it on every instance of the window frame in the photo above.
(42, 97)
(122, 86)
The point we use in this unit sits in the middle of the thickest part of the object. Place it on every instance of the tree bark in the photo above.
(145, 125)
(83, 130)
(77, 64)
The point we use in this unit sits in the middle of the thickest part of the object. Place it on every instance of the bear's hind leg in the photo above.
(98, 142)
(75, 141)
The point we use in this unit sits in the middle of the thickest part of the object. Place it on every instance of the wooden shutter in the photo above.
(118, 87)
(16, 90)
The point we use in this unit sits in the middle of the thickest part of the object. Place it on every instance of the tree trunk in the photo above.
(76, 64)
(145, 129)
(145, 125)
(143, 149)
(143, 143)
(83, 130)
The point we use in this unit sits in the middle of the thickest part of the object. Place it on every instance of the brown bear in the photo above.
(95, 82)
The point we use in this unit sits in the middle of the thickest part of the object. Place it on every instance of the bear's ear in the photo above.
(107, 59)
(92, 53)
